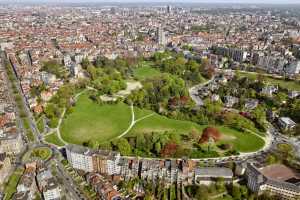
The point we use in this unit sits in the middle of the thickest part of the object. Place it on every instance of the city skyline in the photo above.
(159, 1)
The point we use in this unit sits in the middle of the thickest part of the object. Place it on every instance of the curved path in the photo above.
(268, 139)
(58, 127)
(133, 121)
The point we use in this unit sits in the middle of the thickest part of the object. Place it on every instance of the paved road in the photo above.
(193, 91)
(32, 123)
(68, 182)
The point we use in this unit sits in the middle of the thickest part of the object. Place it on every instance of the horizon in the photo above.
(270, 2)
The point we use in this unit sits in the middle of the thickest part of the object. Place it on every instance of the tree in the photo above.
(157, 147)
(122, 146)
(140, 142)
(202, 193)
(271, 159)
(85, 63)
(236, 193)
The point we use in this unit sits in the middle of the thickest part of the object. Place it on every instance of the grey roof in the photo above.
(213, 172)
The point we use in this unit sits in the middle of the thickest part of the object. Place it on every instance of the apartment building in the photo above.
(276, 179)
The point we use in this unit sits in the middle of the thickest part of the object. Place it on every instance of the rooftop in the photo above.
(279, 172)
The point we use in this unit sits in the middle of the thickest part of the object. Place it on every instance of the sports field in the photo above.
(102, 123)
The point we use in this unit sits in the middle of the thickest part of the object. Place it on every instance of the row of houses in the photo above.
(170, 171)
(37, 179)
(277, 179)
(273, 62)
(11, 141)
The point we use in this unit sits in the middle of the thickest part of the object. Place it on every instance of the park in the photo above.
(93, 122)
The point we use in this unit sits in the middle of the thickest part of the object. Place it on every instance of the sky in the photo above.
(170, 1)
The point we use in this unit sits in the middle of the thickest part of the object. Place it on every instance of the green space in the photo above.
(11, 186)
(159, 123)
(145, 71)
(40, 125)
(287, 84)
(93, 122)
(53, 139)
(42, 153)
(29, 133)
(242, 141)
(90, 121)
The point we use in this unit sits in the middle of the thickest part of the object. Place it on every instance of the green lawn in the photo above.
(53, 139)
(11, 186)
(91, 121)
(145, 71)
(288, 84)
(243, 142)
(40, 125)
(159, 123)
(27, 128)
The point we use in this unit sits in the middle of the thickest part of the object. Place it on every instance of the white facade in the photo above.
(52, 194)
(82, 161)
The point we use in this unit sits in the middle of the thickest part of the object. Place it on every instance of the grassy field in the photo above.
(40, 125)
(90, 121)
(243, 142)
(289, 84)
(159, 123)
(53, 139)
(11, 186)
(145, 71)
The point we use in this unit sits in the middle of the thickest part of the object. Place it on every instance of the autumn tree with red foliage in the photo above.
(210, 132)
(169, 150)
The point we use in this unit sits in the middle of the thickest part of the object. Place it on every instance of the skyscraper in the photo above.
(169, 9)
(161, 37)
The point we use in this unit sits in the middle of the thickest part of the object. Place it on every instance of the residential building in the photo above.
(211, 174)
(48, 185)
(5, 167)
(80, 158)
(286, 123)
(275, 179)
(10, 142)
(27, 187)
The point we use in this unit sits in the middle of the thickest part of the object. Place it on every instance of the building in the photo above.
(106, 162)
(27, 187)
(103, 187)
(230, 101)
(48, 185)
(237, 55)
(211, 174)
(286, 123)
(269, 90)
(5, 167)
(161, 36)
(251, 104)
(276, 179)
(10, 142)
(293, 68)
(80, 158)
